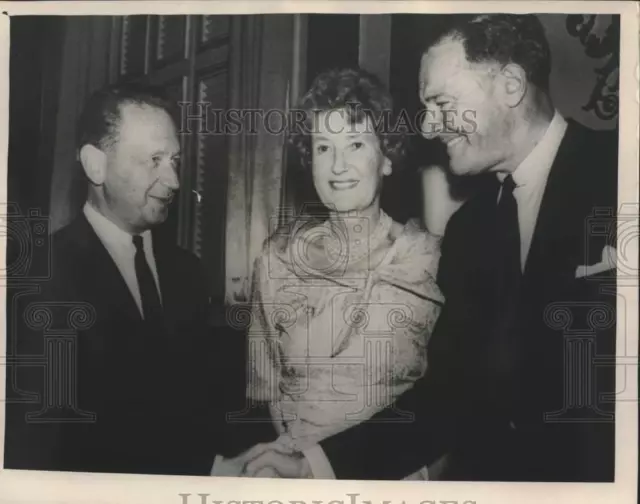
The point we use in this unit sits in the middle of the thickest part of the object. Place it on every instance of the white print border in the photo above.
(33, 486)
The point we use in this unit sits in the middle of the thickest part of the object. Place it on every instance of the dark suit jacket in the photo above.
(145, 401)
(486, 402)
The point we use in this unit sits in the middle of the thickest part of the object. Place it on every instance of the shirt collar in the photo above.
(108, 232)
(537, 164)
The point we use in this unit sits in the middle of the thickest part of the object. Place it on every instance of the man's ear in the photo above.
(386, 166)
(94, 163)
(514, 83)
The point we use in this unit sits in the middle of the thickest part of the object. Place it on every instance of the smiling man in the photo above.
(144, 400)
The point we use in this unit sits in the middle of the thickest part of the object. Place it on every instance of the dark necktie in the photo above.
(507, 278)
(508, 271)
(151, 306)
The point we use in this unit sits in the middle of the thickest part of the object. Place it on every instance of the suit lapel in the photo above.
(483, 214)
(113, 290)
(556, 244)
(165, 266)
(110, 286)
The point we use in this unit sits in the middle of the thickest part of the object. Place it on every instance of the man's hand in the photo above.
(276, 462)
(236, 466)
(266, 460)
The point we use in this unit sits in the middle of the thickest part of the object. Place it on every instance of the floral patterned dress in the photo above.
(336, 337)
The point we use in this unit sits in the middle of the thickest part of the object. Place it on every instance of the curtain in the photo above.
(85, 68)
(261, 61)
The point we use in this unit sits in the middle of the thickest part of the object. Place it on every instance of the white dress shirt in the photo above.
(120, 246)
(530, 178)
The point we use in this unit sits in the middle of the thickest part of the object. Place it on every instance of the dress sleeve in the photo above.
(263, 352)
(410, 299)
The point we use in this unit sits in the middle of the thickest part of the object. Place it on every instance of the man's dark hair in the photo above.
(505, 38)
(100, 119)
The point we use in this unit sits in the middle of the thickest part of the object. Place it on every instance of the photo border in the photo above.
(36, 486)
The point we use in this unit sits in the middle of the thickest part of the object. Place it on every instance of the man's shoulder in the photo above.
(481, 197)
(167, 245)
(586, 131)
(589, 144)
(183, 256)
(71, 242)
(186, 265)
(68, 261)
(65, 235)
(593, 161)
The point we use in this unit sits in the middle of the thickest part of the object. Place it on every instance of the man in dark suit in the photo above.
(139, 396)
(512, 391)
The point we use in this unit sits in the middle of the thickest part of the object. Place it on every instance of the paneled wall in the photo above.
(189, 56)
(87, 63)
